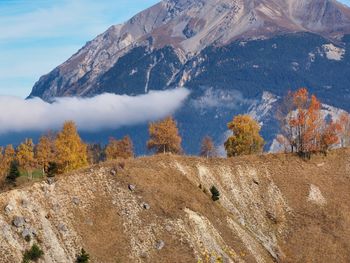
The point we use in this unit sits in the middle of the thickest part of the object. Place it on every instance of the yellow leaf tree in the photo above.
(7, 158)
(25, 156)
(71, 152)
(119, 149)
(164, 136)
(246, 138)
(45, 151)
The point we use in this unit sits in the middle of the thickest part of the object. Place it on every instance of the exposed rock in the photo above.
(316, 197)
(131, 187)
(8, 208)
(28, 232)
(146, 206)
(271, 216)
(18, 221)
(160, 245)
(168, 228)
(62, 227)
(76, 200)
(25, 203)
(51, 180)
(113, 172)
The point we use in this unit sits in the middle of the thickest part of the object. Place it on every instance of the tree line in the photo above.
(304, 130)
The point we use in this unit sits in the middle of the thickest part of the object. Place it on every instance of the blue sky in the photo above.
(38, 35)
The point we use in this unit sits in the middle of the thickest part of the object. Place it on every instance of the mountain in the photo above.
(175, 31)
(272, 208)
(230, 50)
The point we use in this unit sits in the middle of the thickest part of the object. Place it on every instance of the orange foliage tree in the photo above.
(119, 149)
(304, 128)
(8, 156)
(164, 136)
(246, 138)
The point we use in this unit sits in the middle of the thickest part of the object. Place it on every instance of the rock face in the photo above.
(273, 208)
(185, 27)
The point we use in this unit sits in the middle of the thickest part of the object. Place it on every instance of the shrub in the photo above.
(13, 172)
(83, 257)
(33, 254)
(52, 169)
(215, 194)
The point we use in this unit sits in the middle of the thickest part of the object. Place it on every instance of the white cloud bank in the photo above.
(106, 111)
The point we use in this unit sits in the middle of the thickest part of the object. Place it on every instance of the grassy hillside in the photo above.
(272, 208)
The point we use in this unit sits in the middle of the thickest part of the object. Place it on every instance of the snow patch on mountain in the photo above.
(261, 109)
(333, 53)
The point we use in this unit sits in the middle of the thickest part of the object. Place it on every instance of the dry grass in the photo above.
(264, 213)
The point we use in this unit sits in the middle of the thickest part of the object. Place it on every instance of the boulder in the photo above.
(131, 187)
(76, 200)
(160, 244)
(62, 227)
(18, 221)
(28, 232)
(8, 208)
(146, 206)
(50, 180)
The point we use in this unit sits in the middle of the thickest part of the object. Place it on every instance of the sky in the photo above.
(38, 35)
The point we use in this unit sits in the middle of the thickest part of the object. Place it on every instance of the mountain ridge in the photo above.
(189, 27)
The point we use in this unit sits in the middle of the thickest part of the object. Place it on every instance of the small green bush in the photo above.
(83, 257)
(52, 169)
(13, 173)
(33, 254)
(215, 194)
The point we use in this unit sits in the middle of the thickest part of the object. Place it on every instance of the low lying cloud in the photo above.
(106, 111)
(219, 98)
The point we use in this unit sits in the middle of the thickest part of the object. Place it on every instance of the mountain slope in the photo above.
(273, 208)
(188, 27)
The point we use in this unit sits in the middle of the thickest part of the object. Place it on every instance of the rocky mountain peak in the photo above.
(189, 26)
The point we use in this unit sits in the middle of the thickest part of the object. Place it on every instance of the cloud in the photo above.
(64, 18)
(106, 111)
(219, 98)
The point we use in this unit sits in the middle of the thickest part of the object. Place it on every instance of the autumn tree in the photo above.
(246, 138)
(286, 138)
(304, 127)
(164, 137)
(119, 149)
(25, 155)
(95, 153)
(207, 148)
(7, 158)
(45, 151)
(329, 136)
(71, 152)
(344, 123)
